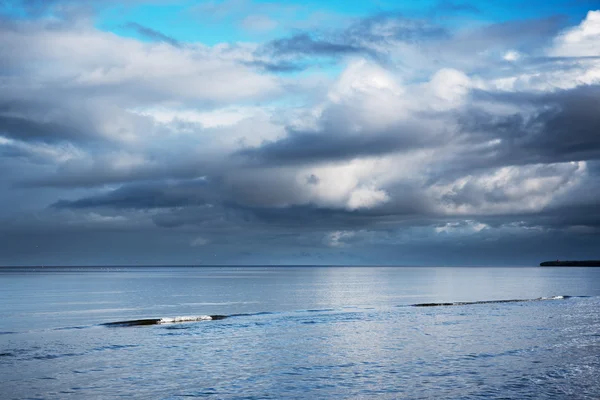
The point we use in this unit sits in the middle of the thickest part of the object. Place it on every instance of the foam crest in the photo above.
(187, 318)
(166, 320)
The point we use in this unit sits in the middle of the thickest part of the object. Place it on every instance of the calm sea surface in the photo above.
(305, 332)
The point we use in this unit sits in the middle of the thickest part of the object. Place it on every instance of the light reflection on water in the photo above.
(315, 332)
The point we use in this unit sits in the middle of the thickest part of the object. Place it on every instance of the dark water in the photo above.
(310, 332)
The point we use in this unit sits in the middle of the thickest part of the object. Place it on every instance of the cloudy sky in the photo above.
(300, 132)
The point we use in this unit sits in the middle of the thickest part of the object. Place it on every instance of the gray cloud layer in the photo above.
(418, 144)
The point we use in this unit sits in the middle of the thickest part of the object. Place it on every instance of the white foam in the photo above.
(187, 318)
(553, 298)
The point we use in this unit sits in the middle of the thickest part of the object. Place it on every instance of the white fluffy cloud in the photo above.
(580, 41)
(577, 49)
(506, 190)
(126, 70)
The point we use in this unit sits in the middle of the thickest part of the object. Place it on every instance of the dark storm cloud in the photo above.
(336, 140)
(578, 212)
(308, 217)
(52, 116)
(579, 215)
(410, 209)
(152, 34)
(563, 127)
(144, 197)
(26, 130)
(550, 127)
(301, 218)
(324, 146)
(233, 216)
(225, 205)
(570, 125)
(199, 203)
(11, 151)
(99, 170)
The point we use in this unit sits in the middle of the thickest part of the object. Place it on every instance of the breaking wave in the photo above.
(161, 321)
(467, 303)
(198, 318)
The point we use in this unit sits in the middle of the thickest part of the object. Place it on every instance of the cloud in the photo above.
(545, 127)
(277, 66)
(144, 197)
(368, 37)
(366, 115)
(152, 34)
(507, 190)
(81, 61)
(336, 239)
(463, 227)
(86, 90)
(419, 134)
(581, 40)
(366, 197)
(23, 128)
(327, 146)
(511, 55)
(304, 44)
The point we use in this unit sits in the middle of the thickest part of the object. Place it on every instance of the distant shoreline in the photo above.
(584, 263)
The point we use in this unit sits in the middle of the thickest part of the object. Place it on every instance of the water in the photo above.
(306, 332)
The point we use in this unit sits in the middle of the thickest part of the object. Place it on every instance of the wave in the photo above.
(161, 321)
(198, 318)
(468, 303)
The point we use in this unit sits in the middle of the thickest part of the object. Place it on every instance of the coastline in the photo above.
(576, 263)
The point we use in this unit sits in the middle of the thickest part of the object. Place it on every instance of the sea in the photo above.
(307, 332)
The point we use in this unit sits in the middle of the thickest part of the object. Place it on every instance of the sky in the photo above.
(246, 132)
